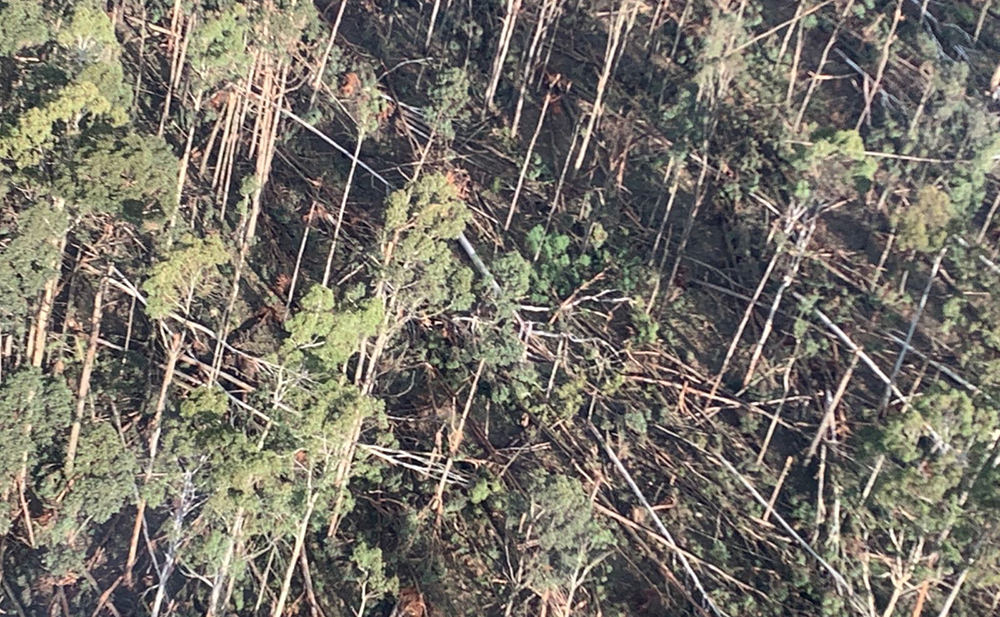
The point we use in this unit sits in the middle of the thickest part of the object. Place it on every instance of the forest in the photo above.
(444, 308)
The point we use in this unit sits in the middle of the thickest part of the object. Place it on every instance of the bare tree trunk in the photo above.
(506, 33)
(222, 576)
(793, 73)
(423, 155)
(881, 65)
(270, 116)
(39, 331)
(913, 326)
(430, 27)
(228, 121)
(946, 608)
(154, 442)
(35, 352)
(658, 523)
(314, 608)
(300, 537)
(654, 23)
(610, 52)
(818, 73)
(685, 13)
(343, 205)
(529, 62)
(666, 214)
(345, 457)
(790, 31)
(552, 42)
(455, 435)
(982, 19)
(326, 52)
(744, 321)
(5, 349)
(559, 186)
(786, 282)
(206, 153)
(829, 417)
(183, 507)
(699, 198)
(182, 169)
(179, 49)
(989, 219)
(527, 161)
(88, 369)
(343, 472)
(666, 245)
(298, 258)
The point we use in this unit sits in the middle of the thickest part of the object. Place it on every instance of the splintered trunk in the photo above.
(88, 369)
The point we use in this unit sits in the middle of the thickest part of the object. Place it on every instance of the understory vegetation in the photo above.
(421, 308)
